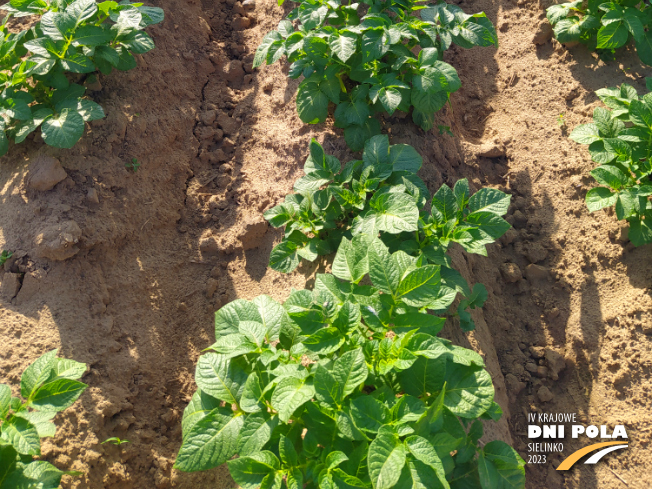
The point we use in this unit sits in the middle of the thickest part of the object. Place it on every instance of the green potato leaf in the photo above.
(8, 456)
(91, 35)
(568, 30)
(599, 198)
(351, 261)
(256, 432)
(424, 376)
(558, 12)
(423, 451)
(250, 472)
(87, 109)
(612, 36)
(138, 42)
(5, 400)
(290, 394)
(22, 435)
(395, 212)
(312, 103)
(383, 269)
(387, 456)
(375, 44)
(37, 374)
(220, 377)
(500, 466)
(64, 130)
(41, 421)
(644, 48)
(210, 442)
(199, 406)
(469, 391)
(343, 45)
(57, 395)
(420, 286)
(356, 136)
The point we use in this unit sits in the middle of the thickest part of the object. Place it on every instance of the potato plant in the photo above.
(47, 386)
(346, 386)
(361, 58)
(381, 194)
(620, 140)
(38, 66)
(604, 26)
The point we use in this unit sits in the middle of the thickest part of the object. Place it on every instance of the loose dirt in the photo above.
(123, 270)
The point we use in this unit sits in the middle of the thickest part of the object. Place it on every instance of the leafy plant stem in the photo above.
(339, 78)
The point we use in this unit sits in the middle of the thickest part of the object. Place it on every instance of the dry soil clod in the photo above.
(44, 173)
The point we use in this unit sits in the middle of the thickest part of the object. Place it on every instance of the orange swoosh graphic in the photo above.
(575, 456)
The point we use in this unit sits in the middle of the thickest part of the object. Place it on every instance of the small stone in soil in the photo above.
(543, 34)
(228, 124)
(208, 117)
(211, 287)
(238, 9)
(520, 220)
(10, 286)
(206, 133)
(45, 172)
(544, 394)
(95, 86)
(514, 386)
(491, 150)
(241, 23)
(509, 236)
(542, 372)
(537, 351)
(536, 273)
(233, 71)
(208, 245)
(536, 252)
(510, 272)
(58, 242)
(254, 229)
(556, 363)
(220, 156)
(228, 144)
(92, 197)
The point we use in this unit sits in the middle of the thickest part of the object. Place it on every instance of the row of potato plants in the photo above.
(68, 41)
(620, 137)
(620, 140)
(48, 386)
(381, 194)
(604, 26)
(348, 385)
(361, 58)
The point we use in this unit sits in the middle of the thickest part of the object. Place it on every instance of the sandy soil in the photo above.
(162, 248)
